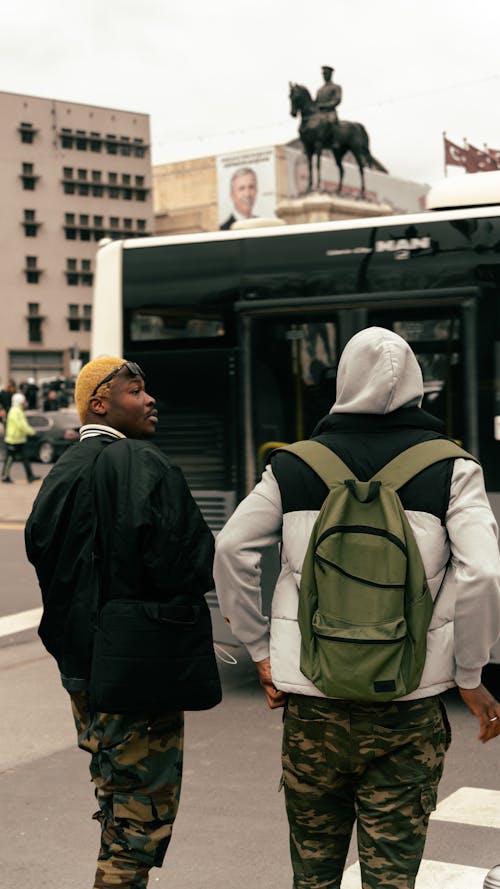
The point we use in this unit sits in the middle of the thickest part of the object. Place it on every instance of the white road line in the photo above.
(471, 805)
(23, 620)
(432, 875)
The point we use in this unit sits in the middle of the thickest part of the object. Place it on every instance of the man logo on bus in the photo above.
(395, 245)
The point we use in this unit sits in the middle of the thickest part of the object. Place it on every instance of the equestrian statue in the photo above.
(321, 129)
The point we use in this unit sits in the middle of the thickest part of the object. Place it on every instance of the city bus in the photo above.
(239, 332)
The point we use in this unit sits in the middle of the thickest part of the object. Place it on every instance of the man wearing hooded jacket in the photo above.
(377, 763)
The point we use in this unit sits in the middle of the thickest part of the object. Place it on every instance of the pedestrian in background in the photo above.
(51, 402)
(115, 529)
(6, 399)
(379, 763)
(17, 432)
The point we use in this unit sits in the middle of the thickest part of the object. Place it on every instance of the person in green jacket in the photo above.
(16, 435)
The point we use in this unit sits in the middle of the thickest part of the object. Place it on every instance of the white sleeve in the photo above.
(475, 559)
(255, 525)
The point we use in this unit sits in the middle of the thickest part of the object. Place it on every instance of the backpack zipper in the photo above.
(359, 641)
(383, 586)
(363, 529)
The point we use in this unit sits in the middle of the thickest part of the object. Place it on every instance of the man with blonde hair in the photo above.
(115, 525)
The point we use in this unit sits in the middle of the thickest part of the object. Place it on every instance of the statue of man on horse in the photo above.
(321, 129)
(329, 94)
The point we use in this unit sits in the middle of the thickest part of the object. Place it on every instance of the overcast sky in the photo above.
(213, 74)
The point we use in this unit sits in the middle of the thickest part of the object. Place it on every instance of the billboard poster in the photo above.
(246, 185)
(380, 188)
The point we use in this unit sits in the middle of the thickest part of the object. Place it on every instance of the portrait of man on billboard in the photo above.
(243, 192)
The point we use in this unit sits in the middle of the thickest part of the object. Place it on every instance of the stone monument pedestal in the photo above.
(319, 207)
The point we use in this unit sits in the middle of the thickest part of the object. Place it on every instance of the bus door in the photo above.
(441, 339)
(288, 377)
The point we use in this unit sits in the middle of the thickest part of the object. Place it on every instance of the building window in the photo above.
(83, 190)
(82, 174)
(66, 137)
(139, 148)
(71, 272)
(96, 175)
(68, 173)
(34, 320)
(95, 142)
(97, 191)
(28, 177)
(81, 140)
(114, 192)
(30, 224)
(112, 177)
(31, 270)
(127, 224)
(111, 146)
(125, 179)
(74, 276)
(73, 319)
(79, 317)
(69, 187)
(69, 218)
(27, 133)
(127, 194)
(141, 225)
(139, 180)
(125, 149)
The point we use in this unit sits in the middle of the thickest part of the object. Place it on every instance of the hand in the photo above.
(274, 697)
(485, 708)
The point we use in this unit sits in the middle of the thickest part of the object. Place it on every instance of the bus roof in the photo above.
(280, 231)
(467, 190)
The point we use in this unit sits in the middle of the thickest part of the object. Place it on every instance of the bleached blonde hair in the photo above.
(89, 378)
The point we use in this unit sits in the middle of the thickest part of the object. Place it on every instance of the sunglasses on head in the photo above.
(132, 368)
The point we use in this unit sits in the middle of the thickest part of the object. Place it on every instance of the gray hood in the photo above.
(377, 373)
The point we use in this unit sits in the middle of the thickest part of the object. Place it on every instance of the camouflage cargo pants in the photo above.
(377, 763)
(136, 766)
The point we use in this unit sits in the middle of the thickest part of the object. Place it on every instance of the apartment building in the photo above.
(70, 175)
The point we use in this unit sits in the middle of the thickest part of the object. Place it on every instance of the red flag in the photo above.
(454, 155)
(495, 156)
(478, 161)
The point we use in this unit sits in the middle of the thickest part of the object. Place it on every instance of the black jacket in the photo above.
(151, 541)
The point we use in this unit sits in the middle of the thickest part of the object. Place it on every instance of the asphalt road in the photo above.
(231, 830)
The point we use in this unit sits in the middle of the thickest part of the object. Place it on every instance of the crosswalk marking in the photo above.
(471, 805)
(432, 875)
(475, 806)
(23, 620)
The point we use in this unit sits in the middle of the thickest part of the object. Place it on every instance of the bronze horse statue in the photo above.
(318, 131)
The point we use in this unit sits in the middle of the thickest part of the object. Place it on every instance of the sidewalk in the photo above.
(16, 500)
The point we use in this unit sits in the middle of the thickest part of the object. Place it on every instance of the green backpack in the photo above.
(364, 603)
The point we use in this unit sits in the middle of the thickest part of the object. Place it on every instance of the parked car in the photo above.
(56, 431)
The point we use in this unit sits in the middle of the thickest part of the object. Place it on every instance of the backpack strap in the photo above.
(413, 460)
(324, 462)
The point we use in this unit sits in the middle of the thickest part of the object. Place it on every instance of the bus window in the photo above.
(175, 323)
(295, 370)
(437, 345)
